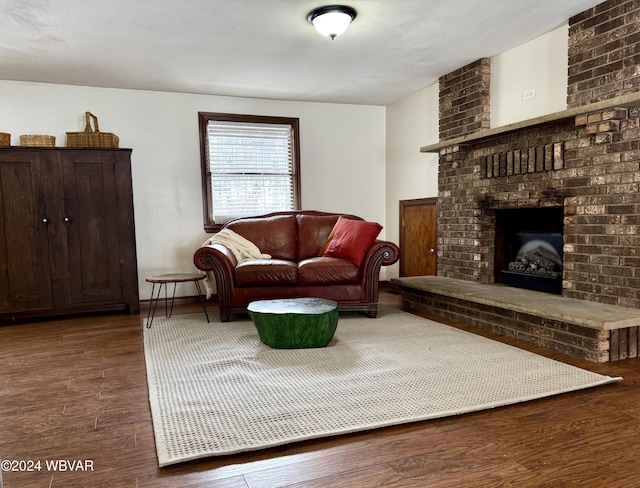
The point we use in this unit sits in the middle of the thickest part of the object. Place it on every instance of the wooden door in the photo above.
(418, 237)
(24, 224)
(90, 218)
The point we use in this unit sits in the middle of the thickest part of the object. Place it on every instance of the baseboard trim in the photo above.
(188, 300)
(144, 304)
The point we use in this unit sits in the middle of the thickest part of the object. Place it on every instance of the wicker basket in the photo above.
(5, 139)
(37, 140)
(92, 137)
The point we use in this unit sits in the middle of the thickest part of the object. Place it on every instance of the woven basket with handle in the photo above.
(92, 137)
(5, 139)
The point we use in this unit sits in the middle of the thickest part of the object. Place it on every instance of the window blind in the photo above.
(250, 168)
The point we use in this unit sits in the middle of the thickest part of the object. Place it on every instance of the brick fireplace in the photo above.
(573, 176)
(583, 162)
(585, 166)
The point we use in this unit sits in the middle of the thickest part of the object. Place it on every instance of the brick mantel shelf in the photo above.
(622, 101)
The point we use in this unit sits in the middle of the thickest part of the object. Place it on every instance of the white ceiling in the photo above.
(263, 48)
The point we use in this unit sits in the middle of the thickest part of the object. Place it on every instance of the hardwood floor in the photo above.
(75, 389)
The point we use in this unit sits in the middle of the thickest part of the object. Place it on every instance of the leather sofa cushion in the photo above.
(266, 272)
(327, 271)
(275, 235)
(313, 231)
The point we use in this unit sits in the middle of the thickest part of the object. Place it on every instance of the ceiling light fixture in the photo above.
(332, 20)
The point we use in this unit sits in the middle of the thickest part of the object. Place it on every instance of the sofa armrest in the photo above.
(381, 253)
(206, 257)
(220, 261)
(388, 252)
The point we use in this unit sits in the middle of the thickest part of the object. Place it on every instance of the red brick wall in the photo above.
(464, 100)
(604, 52)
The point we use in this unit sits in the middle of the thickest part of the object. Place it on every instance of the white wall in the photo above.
(542, 65)
(411, 123)
(342, 156)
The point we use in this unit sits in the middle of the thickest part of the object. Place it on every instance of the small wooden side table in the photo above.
(174, 278)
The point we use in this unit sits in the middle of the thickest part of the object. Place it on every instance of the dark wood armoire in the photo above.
(67, 236)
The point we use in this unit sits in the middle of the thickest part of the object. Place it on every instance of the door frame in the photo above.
(416, 202)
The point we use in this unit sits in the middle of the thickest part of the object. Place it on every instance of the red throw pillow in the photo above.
(352, 239)
(330, 236)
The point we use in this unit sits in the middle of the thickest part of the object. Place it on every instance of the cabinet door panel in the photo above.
(90, 218)
(24, 257)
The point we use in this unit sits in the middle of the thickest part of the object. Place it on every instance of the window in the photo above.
(250, 166)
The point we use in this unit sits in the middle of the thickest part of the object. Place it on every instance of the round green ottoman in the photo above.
(293, 323)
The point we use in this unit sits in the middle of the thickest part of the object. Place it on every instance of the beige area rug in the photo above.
(215, 389)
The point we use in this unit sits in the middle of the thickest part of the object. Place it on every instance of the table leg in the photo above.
(204, 308)
(168, 313)
(154, 304)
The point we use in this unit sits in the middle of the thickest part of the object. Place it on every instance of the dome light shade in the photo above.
(332, 20)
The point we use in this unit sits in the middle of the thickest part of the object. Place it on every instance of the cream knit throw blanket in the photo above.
(241, 248)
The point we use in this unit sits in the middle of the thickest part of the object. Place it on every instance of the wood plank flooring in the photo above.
(75, 389)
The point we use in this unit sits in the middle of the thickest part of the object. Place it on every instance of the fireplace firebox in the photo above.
(529, 245)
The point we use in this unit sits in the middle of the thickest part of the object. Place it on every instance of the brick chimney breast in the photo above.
(604, 52)
(465, 100)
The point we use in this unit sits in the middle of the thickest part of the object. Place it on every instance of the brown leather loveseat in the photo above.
(299, 266)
